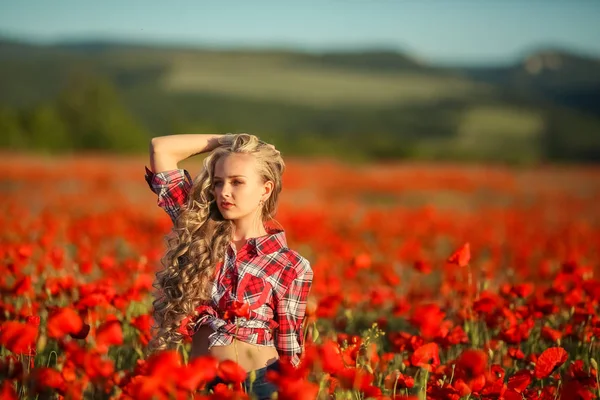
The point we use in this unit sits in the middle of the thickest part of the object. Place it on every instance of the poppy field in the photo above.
(430, 282)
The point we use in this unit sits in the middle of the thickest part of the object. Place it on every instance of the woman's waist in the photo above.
(249, 355)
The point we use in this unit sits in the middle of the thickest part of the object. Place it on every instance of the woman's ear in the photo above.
(268, 188)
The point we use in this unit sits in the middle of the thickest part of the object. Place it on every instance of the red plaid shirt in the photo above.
(265, 273)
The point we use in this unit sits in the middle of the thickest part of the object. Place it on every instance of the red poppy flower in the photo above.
(7, 391)
(456, 335)
(398, 380)
(401, 307)
(199, 371)
(496, 373)
(109, 334)
(64, 321)
(24, 251)
(522, 290)
(223, 391)
(495, 390)
(551, 334)
(519, 381)
(69, 371)
(406, 381)
(549, 360)
(516, 353)
(142, 322)
(17, 337)
(44, 378)
(144, 387)
(461, 388)
(575, 390)
(426, 356)
(514, 335)
(328, 306)
(331, 358)
(472, 363)
(163, 363)
(291, 388)
(98, 367)
(428, 318)
(23, 287)
(371, 392)
(510, 394)
(238, 309)
(578, 372)
(231, 372)
(82, 334)
(486, 305)
(440, 392)
(461, 256)
(355, 378)
(422, 266)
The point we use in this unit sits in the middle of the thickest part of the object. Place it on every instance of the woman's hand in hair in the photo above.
(226, 140)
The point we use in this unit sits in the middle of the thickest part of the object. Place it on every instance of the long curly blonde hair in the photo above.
(199, 238)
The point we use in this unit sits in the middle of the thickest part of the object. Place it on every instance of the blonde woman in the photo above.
(224, 258)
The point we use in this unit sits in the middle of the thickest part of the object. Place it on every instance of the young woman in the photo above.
(224, 259)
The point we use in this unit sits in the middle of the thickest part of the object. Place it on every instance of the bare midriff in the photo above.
(248, 356)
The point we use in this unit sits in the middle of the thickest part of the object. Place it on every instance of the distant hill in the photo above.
(379, 103)
(557, 75)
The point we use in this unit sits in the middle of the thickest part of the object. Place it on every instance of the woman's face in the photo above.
(237, 183)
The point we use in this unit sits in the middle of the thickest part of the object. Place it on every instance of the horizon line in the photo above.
(326, 48)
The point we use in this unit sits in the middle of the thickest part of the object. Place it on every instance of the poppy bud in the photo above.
(41, 343)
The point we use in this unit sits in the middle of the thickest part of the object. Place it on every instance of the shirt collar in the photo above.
(271, 243)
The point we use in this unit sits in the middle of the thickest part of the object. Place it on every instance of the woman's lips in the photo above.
(226, 205)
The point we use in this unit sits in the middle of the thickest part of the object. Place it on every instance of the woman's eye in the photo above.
(234, 182)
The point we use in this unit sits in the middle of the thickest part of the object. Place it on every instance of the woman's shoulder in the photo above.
(293, 270)
(295, 262)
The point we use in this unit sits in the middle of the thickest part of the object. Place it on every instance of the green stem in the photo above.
(234, 340)
(322, 384)
(50, 357)
(557, 390)
(598, 382)
(423, 394)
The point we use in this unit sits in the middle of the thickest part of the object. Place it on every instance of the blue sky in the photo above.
(439, 31)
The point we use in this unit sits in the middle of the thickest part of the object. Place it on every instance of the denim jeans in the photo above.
(262, 389)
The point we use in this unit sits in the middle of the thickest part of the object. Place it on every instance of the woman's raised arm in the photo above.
(167, 151)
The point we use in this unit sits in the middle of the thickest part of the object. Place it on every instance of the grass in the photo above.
(275, 78)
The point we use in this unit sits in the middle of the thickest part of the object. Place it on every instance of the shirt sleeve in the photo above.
(172, 188)
(289, 313)
(190, 324)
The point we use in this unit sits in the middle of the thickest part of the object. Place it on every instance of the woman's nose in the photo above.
(226, 190)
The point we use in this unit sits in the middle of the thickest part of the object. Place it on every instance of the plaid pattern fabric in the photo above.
(171, 187)
(274, 280)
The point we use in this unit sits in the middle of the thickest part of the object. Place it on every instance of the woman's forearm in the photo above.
(167, 151)
(186, 145)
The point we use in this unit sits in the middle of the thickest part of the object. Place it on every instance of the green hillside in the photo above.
(353, 105)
